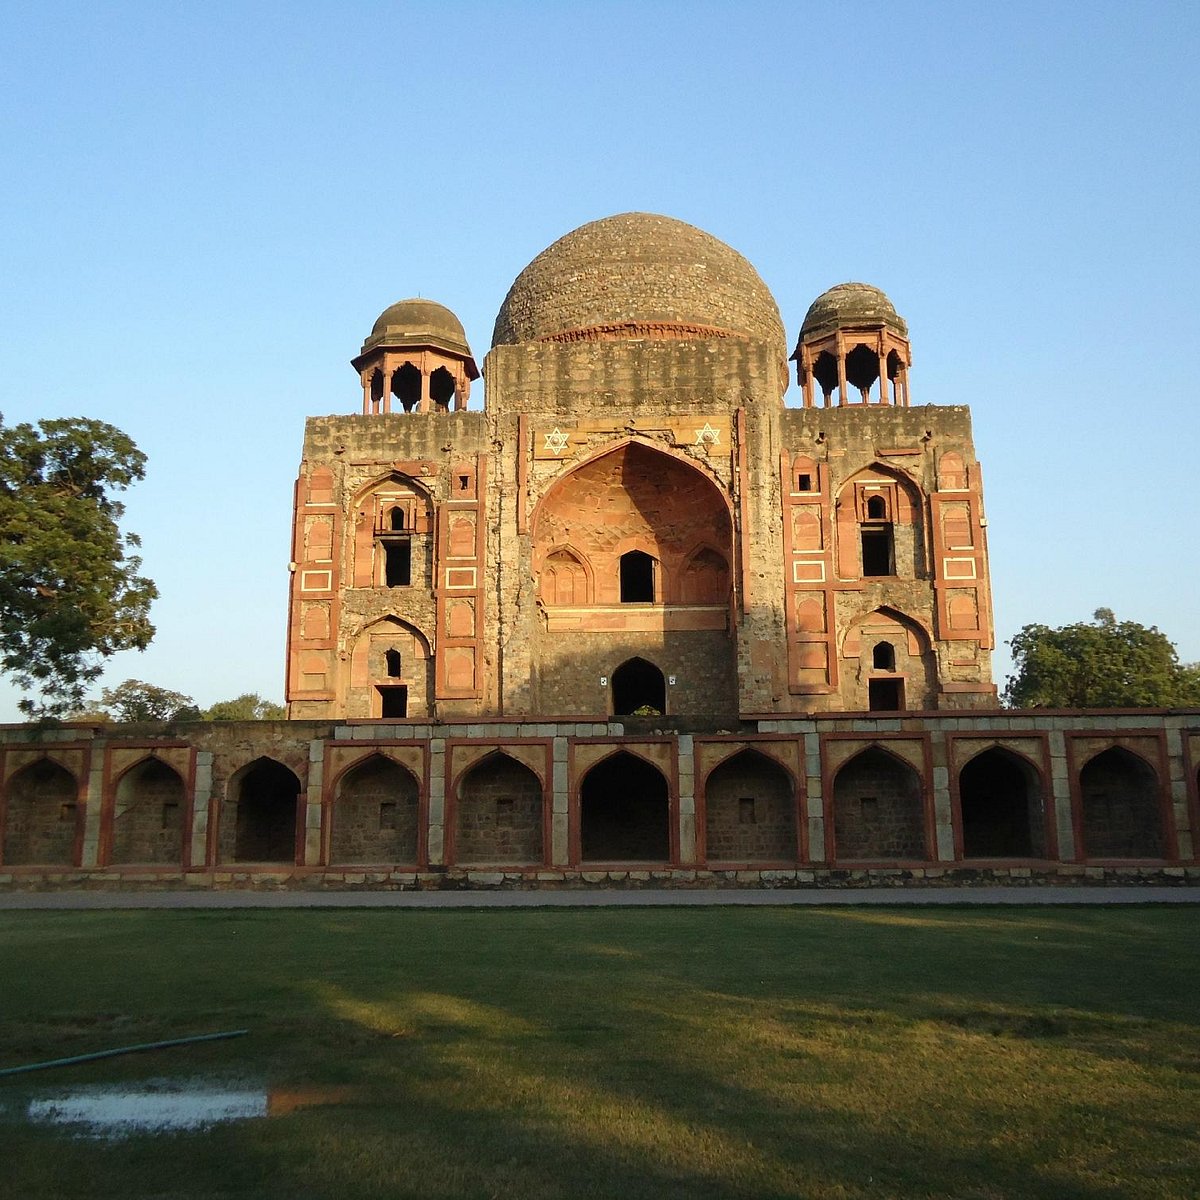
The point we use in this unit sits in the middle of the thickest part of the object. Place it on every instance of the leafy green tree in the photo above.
(1102, 664)
(249, 706)
(70, 592)
(135, 700)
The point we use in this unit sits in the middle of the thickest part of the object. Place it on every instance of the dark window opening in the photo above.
(266, 814)
(877, 550)
(387, 814)
(862, 369)
(397, 564)
(624, 814)
(885, 695)
(170, 814)
(883, 656)
(638, 689)
(825, 372)
(1000, 816)
(804, 483)
(66, 812)
(393, 701)
(393, 664)
(396, 519)
(441, 388)
(637, 578)
(406, 386)
(876, 508)
(504, 810)
(746, 812)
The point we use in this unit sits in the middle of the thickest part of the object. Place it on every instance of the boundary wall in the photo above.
(1014, 797)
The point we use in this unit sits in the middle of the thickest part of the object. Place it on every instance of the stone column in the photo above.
(841, 364)
(312, 806)
(436, 842)
(201, 808)
(943, 812)
(89, 852)
(1184, 834)
(1060, 796)
(560, 807)
(883, 385)
(366, 394)
(687, 800)
(814, 800)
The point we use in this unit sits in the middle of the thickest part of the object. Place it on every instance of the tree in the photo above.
(134, 700)
(1103, 664)
(70, 592)
(249, 706)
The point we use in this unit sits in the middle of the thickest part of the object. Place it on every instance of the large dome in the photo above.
(849, 304)
(638, 275)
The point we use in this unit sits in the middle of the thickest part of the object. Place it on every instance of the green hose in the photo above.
(81, 1058)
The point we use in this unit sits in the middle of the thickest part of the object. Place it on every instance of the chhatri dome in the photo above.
(638, 275)
(418, 323)
(851, 304)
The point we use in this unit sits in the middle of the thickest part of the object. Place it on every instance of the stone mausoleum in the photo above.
(637, 619)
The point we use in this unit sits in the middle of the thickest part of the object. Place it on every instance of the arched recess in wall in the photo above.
(624, 811)
(878, 809)
(880, 520)
(565, 578)
(638, 688)
(1001, 804)
(499, 814)
(148, 816)
(886, 635)
(391, 671)
(392, 520)
(375, 814)
(750, 811)
(1121, 800)
(41, 816)
(260, 818)
(633, 497)
(705, 578)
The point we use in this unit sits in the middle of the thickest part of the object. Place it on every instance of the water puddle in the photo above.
(163, 1106)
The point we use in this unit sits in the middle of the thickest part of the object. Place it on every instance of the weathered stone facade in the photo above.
(635, 622)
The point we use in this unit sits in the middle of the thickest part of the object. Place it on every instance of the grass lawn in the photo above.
(629, 1053)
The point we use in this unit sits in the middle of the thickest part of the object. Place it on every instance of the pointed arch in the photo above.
(880, 519)
(564, 576)
(149, 814)
(262, 813)
(1000, 800)
(705, 577)
(878, 808)
(637, 685)
(624, 811)
(42, 816)
(375, 815)
(750, 810)
(1121, 806)
(499, 814)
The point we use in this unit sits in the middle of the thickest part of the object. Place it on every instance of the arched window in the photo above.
(406, 386)
(396, 519)
(392, 664)
(876, 508)
(883, 656)
(638, 571)
(624, 812)
(638, 688)
(1000, 804)
(441, 389)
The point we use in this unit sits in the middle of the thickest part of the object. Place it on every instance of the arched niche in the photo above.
(750, 811)
(265, 798)
(375, 814)
(633, 497)
(881, 526)
(1000, 802)
(638, 688)
(499, 814)
(1121, 801)
(564, 578)
(41, 816)
(392, 517)
(624, 812)
(148, 816)
(391, 671)
(705, 578)
(892, 666)
(878, 809)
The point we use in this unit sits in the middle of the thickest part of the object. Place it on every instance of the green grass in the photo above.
(815, 1053)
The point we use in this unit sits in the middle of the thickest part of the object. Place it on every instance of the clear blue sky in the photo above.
(204, 207)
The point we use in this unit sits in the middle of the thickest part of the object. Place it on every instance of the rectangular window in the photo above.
(804, 483)
(387, 814)
(504, 811)
(746, 811)
(393, 701)
(397, 563)
(877, 550)
(885, 695)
